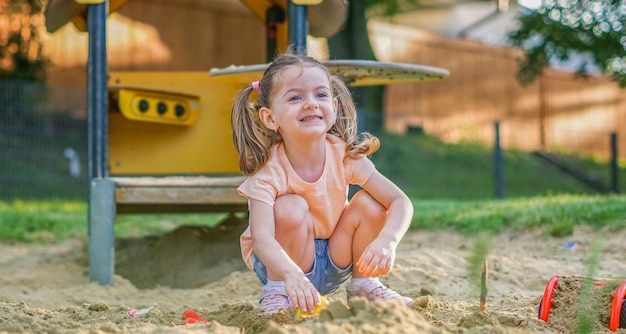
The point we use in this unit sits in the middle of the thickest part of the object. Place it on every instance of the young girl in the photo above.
(299, 147)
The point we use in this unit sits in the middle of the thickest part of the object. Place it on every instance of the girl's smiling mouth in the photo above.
(311, 118)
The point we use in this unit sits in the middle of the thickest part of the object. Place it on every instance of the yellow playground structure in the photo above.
(161, 141)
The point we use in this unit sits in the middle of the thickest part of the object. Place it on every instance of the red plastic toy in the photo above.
(618, 318)
(546, 302)
(191, 317)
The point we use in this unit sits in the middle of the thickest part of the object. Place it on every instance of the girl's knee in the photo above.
(364, 203)
(290, 210)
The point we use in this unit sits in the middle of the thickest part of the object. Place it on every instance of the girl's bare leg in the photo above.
(360, 223)
(294, 231)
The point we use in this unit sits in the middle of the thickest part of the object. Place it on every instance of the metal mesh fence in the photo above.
(43, 142)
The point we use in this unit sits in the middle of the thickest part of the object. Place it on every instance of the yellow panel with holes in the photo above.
(158, 107)
(144, 147)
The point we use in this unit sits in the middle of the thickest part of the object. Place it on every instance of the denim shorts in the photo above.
(325, 275)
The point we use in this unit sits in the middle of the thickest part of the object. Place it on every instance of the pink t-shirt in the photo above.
(326, 197)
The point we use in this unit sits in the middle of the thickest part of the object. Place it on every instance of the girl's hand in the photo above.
(377, 259)
(302, 293)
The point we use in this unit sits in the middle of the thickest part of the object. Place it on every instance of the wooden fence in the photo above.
(558, 112)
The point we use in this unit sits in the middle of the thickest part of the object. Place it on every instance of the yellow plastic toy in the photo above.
(300, 314)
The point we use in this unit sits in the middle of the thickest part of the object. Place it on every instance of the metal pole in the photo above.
(497, 164)
(297, 20)
(97, 103)
(273, 15)
(101, 231)
(102, 190)
(614, 165)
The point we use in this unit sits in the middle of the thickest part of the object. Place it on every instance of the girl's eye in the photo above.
(294, 98)
(322, 95)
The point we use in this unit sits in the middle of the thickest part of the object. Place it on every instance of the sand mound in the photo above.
(188, 257)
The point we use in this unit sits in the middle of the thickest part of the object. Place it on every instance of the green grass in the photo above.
(426, 168)
(42, 221)
(555, 214)
(50, 221)
(451, 187)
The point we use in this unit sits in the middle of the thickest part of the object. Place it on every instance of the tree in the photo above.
(21, 51)
(21, 58)
(560, 30)
(353, 43)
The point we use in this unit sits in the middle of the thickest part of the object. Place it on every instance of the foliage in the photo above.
(559, 30)
(587, 316)
(21, 50)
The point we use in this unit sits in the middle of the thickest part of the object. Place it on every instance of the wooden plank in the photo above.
(178, 190)
(192, 181)
(122, 208)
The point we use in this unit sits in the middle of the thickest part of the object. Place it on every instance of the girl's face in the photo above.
(301, 105)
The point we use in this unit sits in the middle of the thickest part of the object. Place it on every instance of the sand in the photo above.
(45, 288)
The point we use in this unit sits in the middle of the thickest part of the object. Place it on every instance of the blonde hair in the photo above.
(253, 141)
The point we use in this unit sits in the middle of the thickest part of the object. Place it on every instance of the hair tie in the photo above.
(255, 85)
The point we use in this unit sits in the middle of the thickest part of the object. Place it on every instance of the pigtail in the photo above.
(346, 125)
(250, 138)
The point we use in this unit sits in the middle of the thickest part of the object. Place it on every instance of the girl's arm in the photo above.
(399, 215)
(302, 293)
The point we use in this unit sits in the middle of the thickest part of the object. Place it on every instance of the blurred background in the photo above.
(531, 68)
